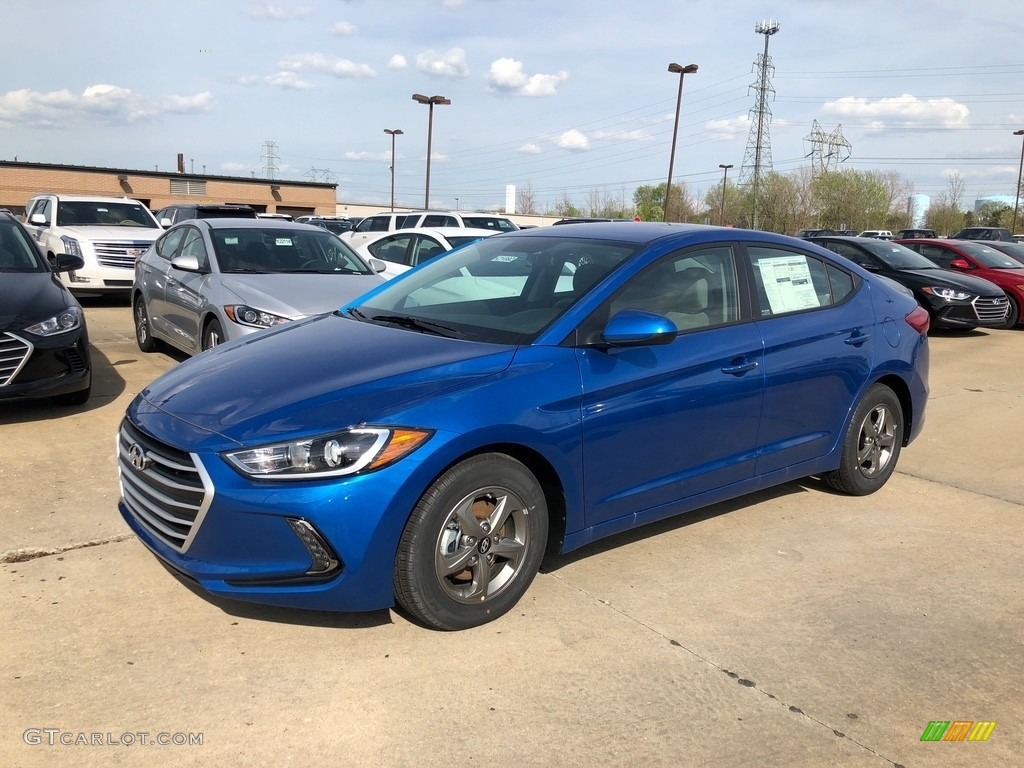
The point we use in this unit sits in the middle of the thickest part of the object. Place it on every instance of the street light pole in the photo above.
(393, 132)
(689, 69)
(430, 101)
(1020, 170)
(725, 175)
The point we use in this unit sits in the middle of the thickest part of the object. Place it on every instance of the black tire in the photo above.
(1012, 314)
(213, 335)
(143, 327)
(473, 543)
(871, 446)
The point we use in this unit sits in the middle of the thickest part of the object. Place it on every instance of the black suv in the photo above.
(172, 214)
(908, 234)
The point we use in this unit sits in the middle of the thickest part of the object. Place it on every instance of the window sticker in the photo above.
(230, 241)
(283, 241)
(787, 283)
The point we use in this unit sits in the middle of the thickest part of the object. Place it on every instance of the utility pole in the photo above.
(758, 155)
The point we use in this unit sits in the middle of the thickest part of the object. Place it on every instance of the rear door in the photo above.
(185, 290)
(817, 323)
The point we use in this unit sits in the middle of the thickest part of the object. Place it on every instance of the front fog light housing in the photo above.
(324, 559)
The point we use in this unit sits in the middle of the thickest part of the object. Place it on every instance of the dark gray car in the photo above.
(206, 281)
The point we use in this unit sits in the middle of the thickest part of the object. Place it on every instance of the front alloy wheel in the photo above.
(473, 544)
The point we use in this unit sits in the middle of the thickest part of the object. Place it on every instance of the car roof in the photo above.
(647, 232)
(88, 198)
(228, 222)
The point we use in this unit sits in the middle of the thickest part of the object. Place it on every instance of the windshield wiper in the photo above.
(414, 324)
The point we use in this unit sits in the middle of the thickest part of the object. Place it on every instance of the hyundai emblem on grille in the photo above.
(138, 457)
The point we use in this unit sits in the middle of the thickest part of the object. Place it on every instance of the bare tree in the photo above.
(526, 200)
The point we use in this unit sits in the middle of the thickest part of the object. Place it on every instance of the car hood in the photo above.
(297, 295)
(312, 376)
(28, 297)
(148, 234)
(946, 277)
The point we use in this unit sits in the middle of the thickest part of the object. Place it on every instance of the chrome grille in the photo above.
(165, 489)
(120, 253)
(991, 310)
(14, 352)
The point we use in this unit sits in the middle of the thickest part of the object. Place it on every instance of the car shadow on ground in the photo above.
(553, 561)
(107, 385)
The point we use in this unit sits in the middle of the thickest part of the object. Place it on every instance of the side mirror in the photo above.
(960, 264)
(636, 327)
(377, 265)
(165, 222)
(62, 262)
(870, 266)
(38, 219)
(186, 263)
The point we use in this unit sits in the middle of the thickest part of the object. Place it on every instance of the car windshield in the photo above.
(897, 256)
(270, 250)
(989, 257)
(17, 252)
(1014, 249)
(113, 214)
(502, 290)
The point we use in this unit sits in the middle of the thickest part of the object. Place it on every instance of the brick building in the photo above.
(19, 181)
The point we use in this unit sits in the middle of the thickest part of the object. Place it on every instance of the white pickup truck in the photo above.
(109, 233)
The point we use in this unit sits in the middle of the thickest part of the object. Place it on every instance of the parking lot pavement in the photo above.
(792, 628)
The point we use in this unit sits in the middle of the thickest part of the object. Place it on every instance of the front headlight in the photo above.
(71, 246)
(254, 318)
(68, 320)
(341, 453)
(950, 294)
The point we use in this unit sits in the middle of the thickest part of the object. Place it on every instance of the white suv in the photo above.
(108, 233)
(389, 222)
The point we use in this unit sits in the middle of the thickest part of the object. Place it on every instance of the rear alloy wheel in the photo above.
(143, 330)
(473, 543)
(872, 444)
(212, 335)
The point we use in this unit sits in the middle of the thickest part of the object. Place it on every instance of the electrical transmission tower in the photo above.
(758, 156)
(270, 160)
(827, 149)
(325, 174)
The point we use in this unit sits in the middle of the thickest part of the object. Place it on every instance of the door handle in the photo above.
(739, 368)
(857, 339)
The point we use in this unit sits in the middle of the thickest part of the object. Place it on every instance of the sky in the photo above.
(570, 99)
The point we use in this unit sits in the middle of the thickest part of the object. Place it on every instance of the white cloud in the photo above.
(727, 129)
(506, 76)
(330, 65)
(103, 103)
(287, 81)
(574, 141)
(372, 156)
(451, 63)
(343, 29)
(634, 135)
(397, 62)
(276, 12)
(903, 110)
(530, 149)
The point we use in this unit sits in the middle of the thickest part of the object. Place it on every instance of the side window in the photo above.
(193, 246)
(376, 224)
(425, 248)
(790, 282)
(391, 249)
(937, 254)
(439, 220)
(167, 245)
(693, 289)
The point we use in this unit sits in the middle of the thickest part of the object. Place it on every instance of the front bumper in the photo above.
(55, 365)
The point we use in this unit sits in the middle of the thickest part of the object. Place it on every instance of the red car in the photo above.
(980, 260)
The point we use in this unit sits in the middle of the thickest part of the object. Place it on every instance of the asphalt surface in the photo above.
(795, 627)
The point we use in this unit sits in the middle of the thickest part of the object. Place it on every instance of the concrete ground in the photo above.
(795, 627)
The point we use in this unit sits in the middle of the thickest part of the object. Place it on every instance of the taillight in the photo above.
(919, 320)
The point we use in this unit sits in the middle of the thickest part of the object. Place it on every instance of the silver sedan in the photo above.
(207, 281)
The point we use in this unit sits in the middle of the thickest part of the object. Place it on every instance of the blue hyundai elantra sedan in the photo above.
(534, 391)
